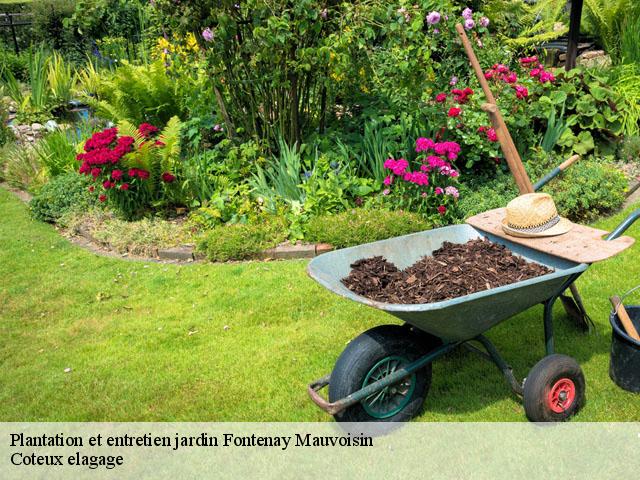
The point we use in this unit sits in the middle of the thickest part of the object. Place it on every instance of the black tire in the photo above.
(554, 389)
(365, 352)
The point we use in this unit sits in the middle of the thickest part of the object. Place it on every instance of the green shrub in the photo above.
(359, 226)
(589, 188)
(242, 241)
(487, 196)
(18, 64)
(62, 195)
(6, 135)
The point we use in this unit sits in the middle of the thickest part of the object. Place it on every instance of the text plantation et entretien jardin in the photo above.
(176, 442)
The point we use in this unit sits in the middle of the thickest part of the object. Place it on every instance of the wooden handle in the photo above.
(624, 318)
(570, 161)
(506, 142)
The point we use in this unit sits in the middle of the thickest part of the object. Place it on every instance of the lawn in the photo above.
(236, 342)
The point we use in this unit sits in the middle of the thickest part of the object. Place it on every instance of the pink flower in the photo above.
(442, 209)
(535, 72)
(386, 191)
(207, 34)
(453, 80)
(528, 60)
(467, 13)
(469, 24)
(424, 194)
(453, 191)
(388, 180)
(116, 174)
(491, 135)
(400, 166)
(424, 144)
(433, 18)
(546, 77)
(95, 172)
(441, 97)
(484, 22)
(454, 112)
(390, 163)
(124, 186)
(439, 191)
(521, 92)
(107, 184)
(511, 78)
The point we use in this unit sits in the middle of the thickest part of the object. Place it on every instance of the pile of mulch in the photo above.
(452, 271)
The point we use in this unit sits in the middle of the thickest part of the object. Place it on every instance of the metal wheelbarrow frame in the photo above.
(460, 320)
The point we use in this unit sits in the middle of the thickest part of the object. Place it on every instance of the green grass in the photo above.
(123, 327)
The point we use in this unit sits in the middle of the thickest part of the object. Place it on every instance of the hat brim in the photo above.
(563, 226)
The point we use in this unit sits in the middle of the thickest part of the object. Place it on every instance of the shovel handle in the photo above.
(619, 309)
(555, 172)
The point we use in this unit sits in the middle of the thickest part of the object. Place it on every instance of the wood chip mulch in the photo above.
(452, 271)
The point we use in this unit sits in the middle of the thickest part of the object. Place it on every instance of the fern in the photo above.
(604, 18)
(144, 93)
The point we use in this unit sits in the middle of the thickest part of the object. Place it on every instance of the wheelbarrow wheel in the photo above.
(370, 357)
(554, 389)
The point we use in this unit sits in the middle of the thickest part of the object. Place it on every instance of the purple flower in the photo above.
(469, 24)
(436, 31)
(207, 34)
(467, 13)
(433, 18)
(484, 22)
(453, 81)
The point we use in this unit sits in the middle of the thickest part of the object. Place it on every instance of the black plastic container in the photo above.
(624, 366)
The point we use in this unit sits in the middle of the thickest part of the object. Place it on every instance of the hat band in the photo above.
(552, 222)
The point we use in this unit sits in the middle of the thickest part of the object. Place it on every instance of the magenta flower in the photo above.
(439, 191)
(423, 144)
(521, 92)
(433, 18)
(207, 34)
(388, 180)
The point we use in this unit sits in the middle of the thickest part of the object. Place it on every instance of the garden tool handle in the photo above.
(506, 142)
(555, 172)
(627, 324)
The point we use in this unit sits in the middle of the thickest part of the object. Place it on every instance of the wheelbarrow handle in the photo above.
(626, 223)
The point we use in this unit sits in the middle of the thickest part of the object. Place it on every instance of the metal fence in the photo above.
(15, 29)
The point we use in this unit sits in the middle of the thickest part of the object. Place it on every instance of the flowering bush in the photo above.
(132, 168)
(426, 184)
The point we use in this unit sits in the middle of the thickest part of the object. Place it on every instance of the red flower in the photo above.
(107, 184)
(481, 129)
(132, 172)
(117, 175)
(167, 177)
(124, 186)
(159, 143)
(441, 97)
(95, 172)
(143, 174)
(491, 135)
(442, 209)
(92, 188)
(147, 130)
(102, 198)
(454, 112)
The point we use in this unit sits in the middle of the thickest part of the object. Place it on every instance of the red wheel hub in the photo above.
(561, 395)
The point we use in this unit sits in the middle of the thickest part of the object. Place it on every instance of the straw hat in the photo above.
(534, 215)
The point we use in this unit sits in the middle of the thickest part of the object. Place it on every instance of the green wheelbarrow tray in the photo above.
(455, 321)
(452, 320)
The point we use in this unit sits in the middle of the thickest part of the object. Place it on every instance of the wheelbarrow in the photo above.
(384, 374)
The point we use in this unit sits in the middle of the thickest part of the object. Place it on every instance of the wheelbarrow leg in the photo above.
(493, 355)
(548, 325)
